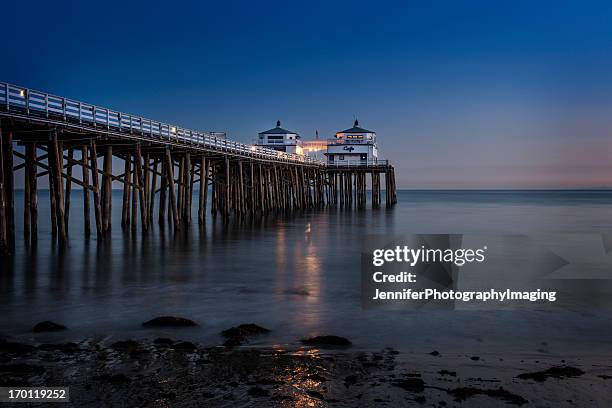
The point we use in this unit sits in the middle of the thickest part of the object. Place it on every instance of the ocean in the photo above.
(297, 274)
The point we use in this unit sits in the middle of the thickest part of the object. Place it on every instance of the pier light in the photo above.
(253, 148)
(173, 129)
(22, 92)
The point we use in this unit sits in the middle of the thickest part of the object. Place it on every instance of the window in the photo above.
(341, 157)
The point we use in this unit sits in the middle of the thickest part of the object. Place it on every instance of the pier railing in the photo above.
(358, 163)
(30, 103)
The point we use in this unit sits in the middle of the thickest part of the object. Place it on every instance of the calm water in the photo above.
(296, 275)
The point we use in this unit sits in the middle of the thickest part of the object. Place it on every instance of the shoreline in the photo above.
(165, 372)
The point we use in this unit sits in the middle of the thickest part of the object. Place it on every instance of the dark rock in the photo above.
(420, 399)
(169, 321)
(282, 398)
(163, 341)
(350, 380)
(22, 369)
(316, 377)
(553, 372)
(446, 372)
(115, 379)
(244, 330)
(267, 381)
(235, 336)
(463, 393)
(14, 347)
(410, 384)
(167, 395)
(258, 392)
(63, 347)
(48, 326)
(605, 377)
(315, 394)
(475, 358)
(327, 341)
(207, 395)
(435, 353)
(185, 346)
(125, 345)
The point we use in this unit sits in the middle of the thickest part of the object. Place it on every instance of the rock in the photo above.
(410, 384)
(244, 330)
(48, 326)
(553, 372)
(463, 393)
(435, 353)
(315, 394)
(115, 379)
(185, 346)
(240, 334)
(327, 341)
(316, 377)
(14, 347)
(449, 373)
(163, 341)
(474, 358)
(169, 321)
(125, 345)
(22, 369)
(258, 392)
(63, 347)
(350, 380)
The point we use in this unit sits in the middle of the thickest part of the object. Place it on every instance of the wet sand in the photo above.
(172, 373)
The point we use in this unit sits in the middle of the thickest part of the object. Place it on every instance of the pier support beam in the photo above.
(4, 245)
(203, 190)
(85, 177)
(93, 157)
(170, 178)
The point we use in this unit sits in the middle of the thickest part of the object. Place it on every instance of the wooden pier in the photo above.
(161, 167)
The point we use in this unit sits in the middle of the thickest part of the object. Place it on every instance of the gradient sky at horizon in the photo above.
(462, 94)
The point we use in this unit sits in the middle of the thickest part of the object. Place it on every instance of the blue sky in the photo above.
(462, 94)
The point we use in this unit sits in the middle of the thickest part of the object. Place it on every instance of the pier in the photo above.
(49, 136)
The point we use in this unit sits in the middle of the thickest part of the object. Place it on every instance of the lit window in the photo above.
(341, 157)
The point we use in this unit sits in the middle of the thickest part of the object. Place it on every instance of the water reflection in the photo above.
(296, 274)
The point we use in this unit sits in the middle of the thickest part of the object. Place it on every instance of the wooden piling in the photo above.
(152, 193)
(141, 194)
(172, 195)
(162, 193)
(203, 193)
(58, 159)
(93, 157)
(68, 190)
(107, 196)
(33, 189)
(125, 208)
(85, 178)
(4, 246)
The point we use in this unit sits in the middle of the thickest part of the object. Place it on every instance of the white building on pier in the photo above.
(280, 139)
(352, 146)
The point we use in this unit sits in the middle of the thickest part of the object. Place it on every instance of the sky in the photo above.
(462, 94)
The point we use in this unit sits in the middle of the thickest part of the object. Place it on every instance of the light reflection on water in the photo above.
(297, 275)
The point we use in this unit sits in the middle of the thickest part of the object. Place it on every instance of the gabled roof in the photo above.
(277, 130)
(356, 129)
